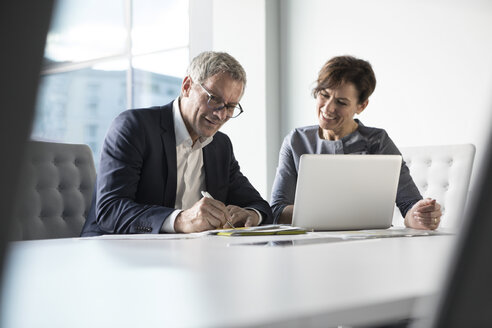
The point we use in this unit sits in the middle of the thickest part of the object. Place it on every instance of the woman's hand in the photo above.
(424, 215)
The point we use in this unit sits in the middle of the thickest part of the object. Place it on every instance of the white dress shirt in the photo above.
(190, 175)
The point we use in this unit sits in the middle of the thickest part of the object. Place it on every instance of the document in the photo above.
(384, 233)
(143, 236)
(271, 229)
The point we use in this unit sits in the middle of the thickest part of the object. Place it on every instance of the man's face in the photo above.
(200, 120)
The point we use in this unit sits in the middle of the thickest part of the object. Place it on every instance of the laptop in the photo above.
(346, 192)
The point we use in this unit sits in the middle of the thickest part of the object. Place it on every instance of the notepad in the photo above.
(272, 229)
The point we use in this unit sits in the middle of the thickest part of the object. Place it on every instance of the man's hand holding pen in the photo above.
(206, 214)
(210, 214)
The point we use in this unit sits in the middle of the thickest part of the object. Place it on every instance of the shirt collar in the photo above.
(180, 131)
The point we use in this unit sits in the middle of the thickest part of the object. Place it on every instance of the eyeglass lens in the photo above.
(216, 104)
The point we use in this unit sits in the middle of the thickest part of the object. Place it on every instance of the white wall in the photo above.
(432, 59)
(201, 26)
(249, 31)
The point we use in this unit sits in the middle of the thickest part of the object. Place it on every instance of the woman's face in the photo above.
(336, 109)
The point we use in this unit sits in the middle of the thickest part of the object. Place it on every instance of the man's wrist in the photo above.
(168, 226)
(260, 217)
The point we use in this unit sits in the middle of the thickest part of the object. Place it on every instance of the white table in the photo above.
(218, 281)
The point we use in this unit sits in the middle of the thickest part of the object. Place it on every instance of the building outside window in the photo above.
(103, 57)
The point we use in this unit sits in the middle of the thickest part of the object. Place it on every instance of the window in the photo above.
(103, 57)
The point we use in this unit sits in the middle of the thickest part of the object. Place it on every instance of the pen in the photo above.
(207, 195)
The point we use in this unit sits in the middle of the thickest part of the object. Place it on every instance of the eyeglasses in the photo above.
(216, 103)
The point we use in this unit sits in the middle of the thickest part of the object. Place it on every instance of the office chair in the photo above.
(55, 191)
(443, 173)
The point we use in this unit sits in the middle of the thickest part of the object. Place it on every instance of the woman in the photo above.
(343, 88)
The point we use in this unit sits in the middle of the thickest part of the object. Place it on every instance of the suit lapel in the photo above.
(209, 161)
(168, 138)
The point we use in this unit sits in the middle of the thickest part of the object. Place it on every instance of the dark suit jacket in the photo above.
(136, 183)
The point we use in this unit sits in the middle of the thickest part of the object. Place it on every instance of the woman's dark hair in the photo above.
(343, 69)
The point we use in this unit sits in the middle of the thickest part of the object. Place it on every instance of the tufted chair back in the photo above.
(443, 173)
(54, 193)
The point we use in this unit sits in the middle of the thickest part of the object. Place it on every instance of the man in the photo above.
(156, 163)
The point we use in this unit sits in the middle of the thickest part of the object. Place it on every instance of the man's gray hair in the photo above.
(209, 63)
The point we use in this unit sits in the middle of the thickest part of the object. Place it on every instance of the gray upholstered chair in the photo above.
(443, 173)
(55, 191)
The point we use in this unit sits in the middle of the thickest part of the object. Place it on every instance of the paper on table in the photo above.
(384, 233)
(272, 229)
(144, 236)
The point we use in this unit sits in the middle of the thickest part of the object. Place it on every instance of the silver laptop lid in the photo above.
(346, 192)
